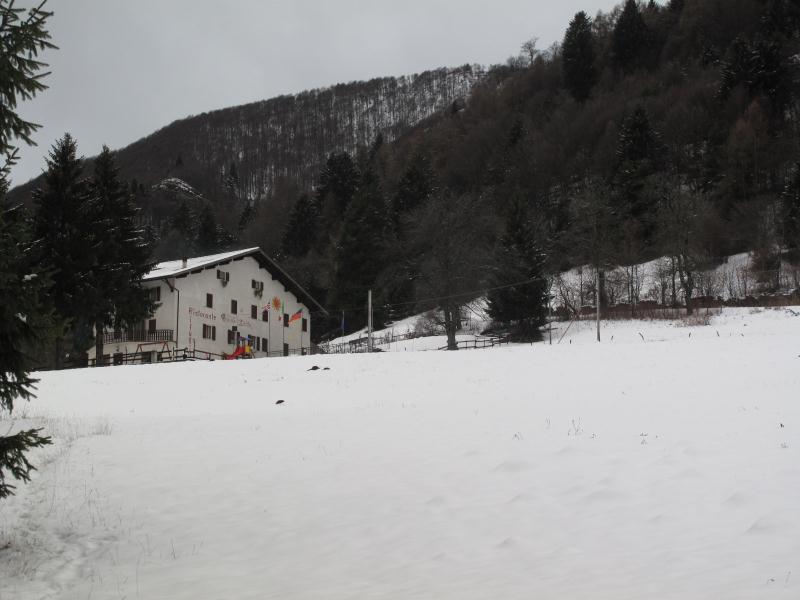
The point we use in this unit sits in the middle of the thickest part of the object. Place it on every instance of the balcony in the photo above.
(139, 335)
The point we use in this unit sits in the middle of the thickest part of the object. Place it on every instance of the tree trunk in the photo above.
(450, 327)
(59, 353)
(687, 282)
(98, 345)
(688, 294)
(674, 291)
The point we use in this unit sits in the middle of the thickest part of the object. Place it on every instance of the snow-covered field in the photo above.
(662, 463)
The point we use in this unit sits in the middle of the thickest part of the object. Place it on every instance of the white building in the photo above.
(218, 305)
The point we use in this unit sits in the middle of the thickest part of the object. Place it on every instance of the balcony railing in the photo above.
(153, 335)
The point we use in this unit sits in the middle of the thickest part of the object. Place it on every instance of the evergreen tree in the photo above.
(759, 67)
(22, 38)
(22, 321)
(640, 154)
(361, 249)
(301, 230)
(121, 254)
(338, 182)
(578, 57)
(415, 186)
(246, 217)
(519, 259)
(630, 39)
(61, 223)
(791, 216)
(208, 235)
(22, 285)
(182, 220)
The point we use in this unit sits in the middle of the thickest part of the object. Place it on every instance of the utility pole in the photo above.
(597, 298)
(369, 321)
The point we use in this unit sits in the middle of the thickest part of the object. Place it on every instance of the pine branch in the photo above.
(12, 458)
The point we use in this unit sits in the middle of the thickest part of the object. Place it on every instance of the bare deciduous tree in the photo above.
(452, 254)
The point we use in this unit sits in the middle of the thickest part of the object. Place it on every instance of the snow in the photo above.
(174, 184)
(172, 268)
(660, 465)
(735, 276)
(419, 332)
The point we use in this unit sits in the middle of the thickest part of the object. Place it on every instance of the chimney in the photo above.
(184, 262)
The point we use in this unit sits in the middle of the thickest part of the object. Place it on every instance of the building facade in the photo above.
(233, 303)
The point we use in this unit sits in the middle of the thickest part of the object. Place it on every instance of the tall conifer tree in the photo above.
(121, 254)
(301, 230)
(22, 285)
(61, 224)
(519, 259)
(361, 247)
(631, 38)
(578, 57)
(790, 214)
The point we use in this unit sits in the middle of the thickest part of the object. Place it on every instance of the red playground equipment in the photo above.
(242, 351)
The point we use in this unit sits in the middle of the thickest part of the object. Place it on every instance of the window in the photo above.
(285, 320)
(209, 332)
(234, 307)
(253, 311)
(265, 344)
(209, 300)
(265, 315)
(305, 324)
(155, 294)
(233, 336)
(151, 326)
(286, 349)
(258, 344)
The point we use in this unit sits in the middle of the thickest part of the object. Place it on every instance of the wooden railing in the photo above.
(479, 344)
(154, 335)
(145, 356)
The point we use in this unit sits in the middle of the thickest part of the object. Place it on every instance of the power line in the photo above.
(439, 298)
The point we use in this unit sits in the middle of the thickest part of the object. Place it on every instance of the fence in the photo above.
(652, 310)
(359, 345)
(480, 344)
(143, 357)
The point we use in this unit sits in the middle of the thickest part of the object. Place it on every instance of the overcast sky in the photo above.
(125, 68)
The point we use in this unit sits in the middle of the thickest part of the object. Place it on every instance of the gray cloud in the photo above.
(125, 68)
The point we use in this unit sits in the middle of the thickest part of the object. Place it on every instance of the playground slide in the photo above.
(236, 353)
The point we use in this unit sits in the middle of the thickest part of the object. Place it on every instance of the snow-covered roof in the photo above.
(177, 268)
(172, 268)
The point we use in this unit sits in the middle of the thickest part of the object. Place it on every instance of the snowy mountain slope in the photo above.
(286, 138)
(664, 468)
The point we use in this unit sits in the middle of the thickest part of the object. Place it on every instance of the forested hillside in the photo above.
(659, 129)
(655, 130)
(228, 162)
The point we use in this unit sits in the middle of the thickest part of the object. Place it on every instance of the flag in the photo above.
(296, 316)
